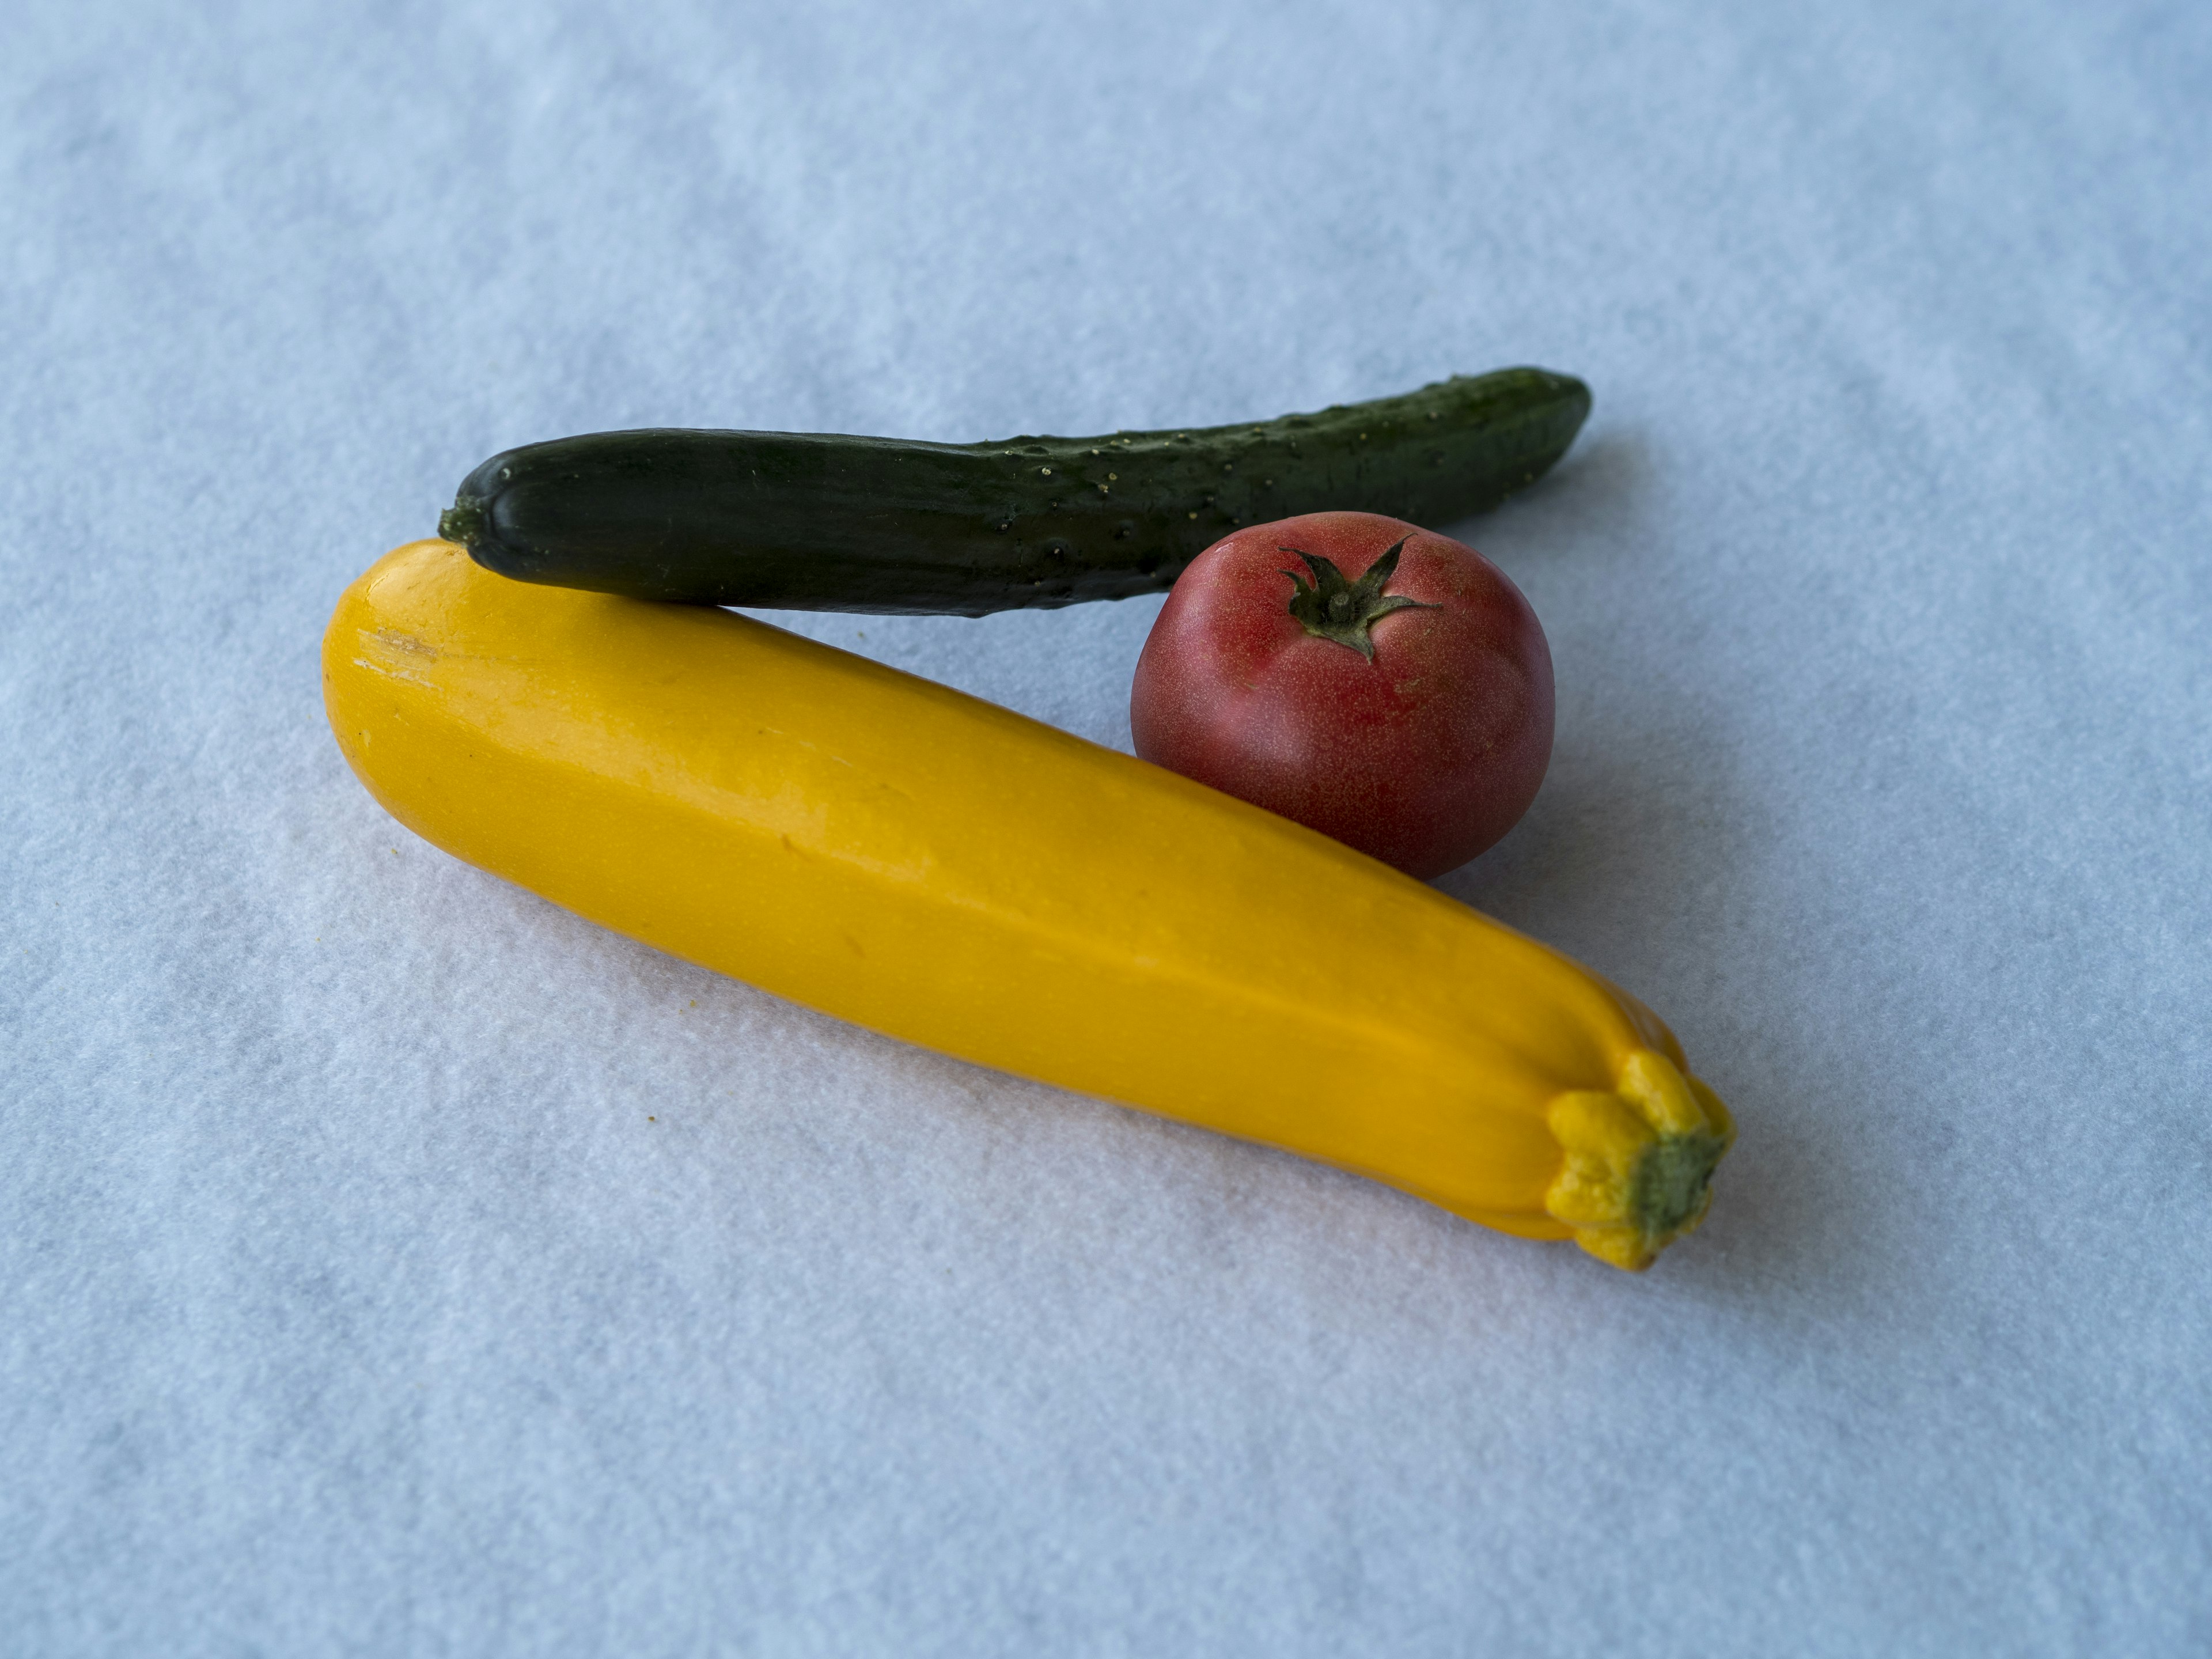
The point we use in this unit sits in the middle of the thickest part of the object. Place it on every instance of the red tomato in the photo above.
(1407, 711)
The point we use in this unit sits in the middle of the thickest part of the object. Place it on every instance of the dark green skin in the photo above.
(805, 521)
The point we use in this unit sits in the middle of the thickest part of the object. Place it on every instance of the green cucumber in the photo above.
(806, 521)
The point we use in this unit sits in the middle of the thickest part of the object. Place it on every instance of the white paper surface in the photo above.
(389, 1263)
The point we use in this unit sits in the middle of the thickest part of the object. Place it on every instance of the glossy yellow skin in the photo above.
(934, 868)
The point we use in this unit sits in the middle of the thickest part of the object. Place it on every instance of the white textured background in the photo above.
(392, 1263)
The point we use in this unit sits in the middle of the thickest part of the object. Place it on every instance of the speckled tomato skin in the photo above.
(1422, 758)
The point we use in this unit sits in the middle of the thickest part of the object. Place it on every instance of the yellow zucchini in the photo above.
(930, 865)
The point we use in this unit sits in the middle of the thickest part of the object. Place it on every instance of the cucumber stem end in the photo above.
(462, 522)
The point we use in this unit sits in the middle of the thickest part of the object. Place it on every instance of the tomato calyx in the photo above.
(1333, 608)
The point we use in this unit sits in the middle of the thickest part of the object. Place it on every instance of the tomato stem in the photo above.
(1333, 608)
